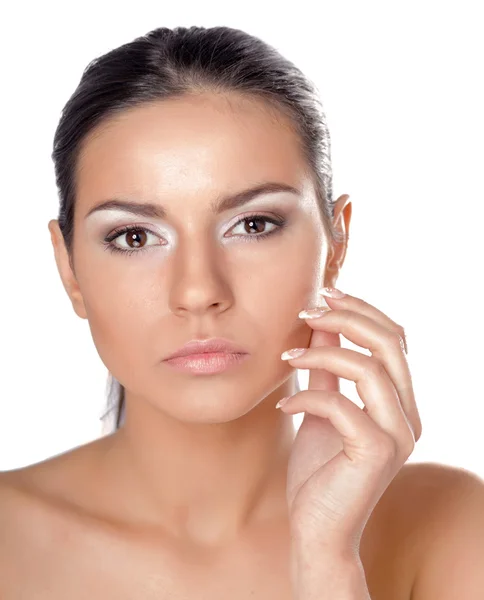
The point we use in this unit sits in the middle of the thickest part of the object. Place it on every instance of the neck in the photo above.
(202, 483)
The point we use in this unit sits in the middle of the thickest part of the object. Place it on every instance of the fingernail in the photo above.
(293, 353)
(313, 313)
(282, 401)
(332, 292)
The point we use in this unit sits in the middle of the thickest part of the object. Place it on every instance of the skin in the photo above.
(190, 494)
(201, 458)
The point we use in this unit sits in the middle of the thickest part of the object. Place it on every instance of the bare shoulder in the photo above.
(38, 518)
(445, 506)
(26, 498)
(22, 520)
(59, 477)
(422, 498)
(451, 542)
(17, 502)
(35, 497)
(419, 504)
(428, 493)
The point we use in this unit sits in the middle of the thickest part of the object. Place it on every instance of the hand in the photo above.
(343, 457)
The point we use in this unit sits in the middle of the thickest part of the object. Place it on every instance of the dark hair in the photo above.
(168, 63)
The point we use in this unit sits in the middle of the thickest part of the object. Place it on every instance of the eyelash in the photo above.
(280, 222)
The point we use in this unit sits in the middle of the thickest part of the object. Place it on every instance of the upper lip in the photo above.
(210, 345)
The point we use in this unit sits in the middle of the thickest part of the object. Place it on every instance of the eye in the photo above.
(256, 222)
(136, 239)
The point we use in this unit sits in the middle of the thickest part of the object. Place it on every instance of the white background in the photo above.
(402, 88)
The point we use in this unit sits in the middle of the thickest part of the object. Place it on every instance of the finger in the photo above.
(358, 305)
(373, 384)
(361, 436)
(384, 344)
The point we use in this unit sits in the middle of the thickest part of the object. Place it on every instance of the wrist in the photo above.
(328, 576)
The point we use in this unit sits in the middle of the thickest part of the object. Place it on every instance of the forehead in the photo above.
(183, 146)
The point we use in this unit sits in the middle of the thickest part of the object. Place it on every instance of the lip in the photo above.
(207, 362)
(212, 345)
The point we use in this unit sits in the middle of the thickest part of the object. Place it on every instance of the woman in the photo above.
(174, 156)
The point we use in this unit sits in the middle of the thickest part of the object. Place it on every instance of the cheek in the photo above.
(281, 288)
(292, 276)
(119, 317)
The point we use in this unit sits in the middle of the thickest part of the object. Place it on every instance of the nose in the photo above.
(200, 279)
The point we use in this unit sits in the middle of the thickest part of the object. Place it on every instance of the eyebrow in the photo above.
(219, 205)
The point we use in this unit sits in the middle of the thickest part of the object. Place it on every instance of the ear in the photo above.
(320, 378)
(66, 269)
(337, 252)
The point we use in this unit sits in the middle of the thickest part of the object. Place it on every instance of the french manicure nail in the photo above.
(293, 353)
(332, 292)
(314, 313)
(282, 401)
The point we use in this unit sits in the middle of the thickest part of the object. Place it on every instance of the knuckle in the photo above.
(364, 304)
(375, 368)
(395, 337)
(385, 447)
(334, 399)
(407, 444)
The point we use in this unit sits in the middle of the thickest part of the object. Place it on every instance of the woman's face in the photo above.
(195, 271)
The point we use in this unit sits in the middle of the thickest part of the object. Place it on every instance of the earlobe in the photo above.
(64, 267)
(78, 302)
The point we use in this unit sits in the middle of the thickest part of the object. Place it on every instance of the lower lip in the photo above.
(209, 362)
